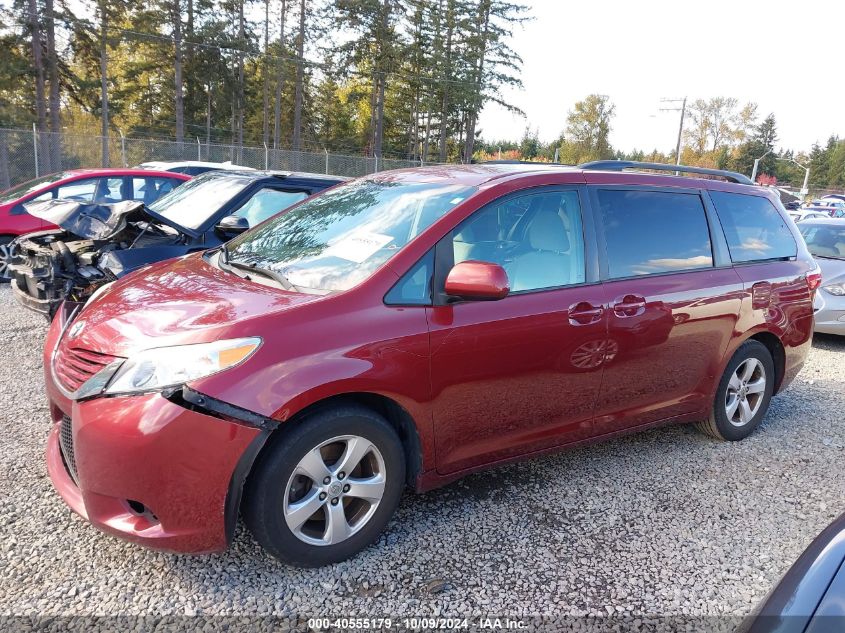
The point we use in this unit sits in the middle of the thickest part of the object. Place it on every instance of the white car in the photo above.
(191, 167)
(807, 214)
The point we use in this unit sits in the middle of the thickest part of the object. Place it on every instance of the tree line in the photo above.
(384, 78)
(398, 78)
(719, 133)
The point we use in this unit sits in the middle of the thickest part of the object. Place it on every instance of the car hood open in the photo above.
(93, 221)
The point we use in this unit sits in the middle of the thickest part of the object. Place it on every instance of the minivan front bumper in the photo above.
(149, 470)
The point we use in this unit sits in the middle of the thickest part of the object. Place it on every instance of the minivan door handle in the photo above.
(585, 313)
(629, 306)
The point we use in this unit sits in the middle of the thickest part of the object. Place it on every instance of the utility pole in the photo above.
(805, 189)
(683, 111)
(757, 162)
(757, 165)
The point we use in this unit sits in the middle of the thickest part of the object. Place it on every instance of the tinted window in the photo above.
(537, 238)
(753, 227)
(267, 202)
(649, 232)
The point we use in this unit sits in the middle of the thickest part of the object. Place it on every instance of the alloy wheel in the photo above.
(745, 392)
(7, 252)
(334, 490)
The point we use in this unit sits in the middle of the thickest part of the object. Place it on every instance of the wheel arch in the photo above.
(772, 343)
(778, 352)
(395, 414)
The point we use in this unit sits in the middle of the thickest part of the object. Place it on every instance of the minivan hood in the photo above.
(92, 221)
(176, 302)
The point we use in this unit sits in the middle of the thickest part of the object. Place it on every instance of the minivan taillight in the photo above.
(814, 279)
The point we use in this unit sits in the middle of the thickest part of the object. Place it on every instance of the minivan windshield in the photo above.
(195, 201)
(824, 240)
(337, 239)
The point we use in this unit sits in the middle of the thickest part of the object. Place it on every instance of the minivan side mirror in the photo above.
(477, 281)
(232, 225)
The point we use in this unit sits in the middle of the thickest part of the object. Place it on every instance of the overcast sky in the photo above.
(785, 56)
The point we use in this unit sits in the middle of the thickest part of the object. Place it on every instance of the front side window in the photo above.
(754, 229)
(536, 237)
(652, 232)
(268, 202)
(337, 239)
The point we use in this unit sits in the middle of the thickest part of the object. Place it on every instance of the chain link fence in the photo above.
(27, 154)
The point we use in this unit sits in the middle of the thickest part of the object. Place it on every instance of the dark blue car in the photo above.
(98, 243)
(811, 596)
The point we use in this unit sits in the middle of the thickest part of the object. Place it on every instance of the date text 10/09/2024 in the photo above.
(416, 624)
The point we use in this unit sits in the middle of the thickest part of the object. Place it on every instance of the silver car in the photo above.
(826, 241)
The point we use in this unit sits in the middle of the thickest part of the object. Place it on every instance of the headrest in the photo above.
(547, 232)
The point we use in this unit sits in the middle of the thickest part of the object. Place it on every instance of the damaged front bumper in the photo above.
(166, 476)
(163, 469)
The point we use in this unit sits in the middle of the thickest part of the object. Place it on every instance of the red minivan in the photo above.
(409, 328)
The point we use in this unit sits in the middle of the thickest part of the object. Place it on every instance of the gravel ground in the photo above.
(666, 522)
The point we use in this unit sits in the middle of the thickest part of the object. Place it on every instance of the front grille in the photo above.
(73, 365)
(66, 444)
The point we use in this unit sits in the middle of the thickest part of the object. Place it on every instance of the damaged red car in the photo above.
(412, 327)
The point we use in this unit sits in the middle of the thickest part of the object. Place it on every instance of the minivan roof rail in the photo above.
(620, 165)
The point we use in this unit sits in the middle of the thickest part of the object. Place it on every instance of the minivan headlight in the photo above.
(161, 367)
(837, 290)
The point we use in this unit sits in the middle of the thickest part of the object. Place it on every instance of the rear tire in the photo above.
(325, 488)
(743, 395)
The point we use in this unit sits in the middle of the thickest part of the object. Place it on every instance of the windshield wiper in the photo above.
(283, 281)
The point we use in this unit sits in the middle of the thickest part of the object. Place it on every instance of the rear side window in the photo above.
(754, 229)
(651, 232)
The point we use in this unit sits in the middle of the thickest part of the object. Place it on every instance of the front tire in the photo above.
(743, 395)
(325, 489)
(7, 251)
